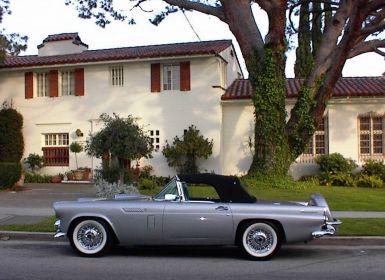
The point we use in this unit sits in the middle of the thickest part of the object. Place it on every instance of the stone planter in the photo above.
(78, 175)
(56, 179)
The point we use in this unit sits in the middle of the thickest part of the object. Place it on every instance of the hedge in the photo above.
(10, 173)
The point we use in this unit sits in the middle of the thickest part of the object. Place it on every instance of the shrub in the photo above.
(338, 179)
(145, 171)
(335, 163)
(374, 168)
(112, 174)
(10, 173)
(37, 178)
(76, 148)
(109, 190)
(369, 181)
(184, 152)
(147, 184)
(11, 140)
(34, 161)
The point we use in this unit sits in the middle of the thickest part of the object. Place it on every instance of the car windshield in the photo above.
(170, 188)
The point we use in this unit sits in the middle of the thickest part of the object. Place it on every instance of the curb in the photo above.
(326, 241)
(31, 236)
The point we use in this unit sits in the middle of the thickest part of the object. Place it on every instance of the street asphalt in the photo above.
(34, 203)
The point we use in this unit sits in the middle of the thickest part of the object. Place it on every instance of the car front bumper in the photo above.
(59, 232)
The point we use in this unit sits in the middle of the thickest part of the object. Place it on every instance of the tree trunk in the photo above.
(271, 155)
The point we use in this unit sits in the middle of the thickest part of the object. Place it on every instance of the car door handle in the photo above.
(222, 208)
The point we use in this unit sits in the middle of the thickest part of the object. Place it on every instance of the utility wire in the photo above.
(192, 28)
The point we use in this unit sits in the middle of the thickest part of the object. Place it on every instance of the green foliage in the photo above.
(34, 161)
(271, 153)
(304, 59)
(147, 184)
(340, 179)
(374, 168)
(76, 148)
(335, 163)
(184, 152)
(10, 173)
(120, 138)
(369, 181)
(37, 178)
(11, 140)
(10, 43)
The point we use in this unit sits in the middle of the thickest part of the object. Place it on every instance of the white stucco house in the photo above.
(62, 91)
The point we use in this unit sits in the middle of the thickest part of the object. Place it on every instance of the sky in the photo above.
(39, 18)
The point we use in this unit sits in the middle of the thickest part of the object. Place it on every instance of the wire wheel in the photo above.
(260, 240)
(90, 238)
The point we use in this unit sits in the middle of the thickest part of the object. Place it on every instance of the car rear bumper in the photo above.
(327, 230)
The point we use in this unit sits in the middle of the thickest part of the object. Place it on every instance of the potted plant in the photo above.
(57, 178)
(76, 148)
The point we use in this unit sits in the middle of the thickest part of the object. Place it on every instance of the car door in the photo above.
(197, 222)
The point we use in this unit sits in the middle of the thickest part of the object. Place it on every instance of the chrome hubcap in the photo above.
(260, 241)
(90, 237)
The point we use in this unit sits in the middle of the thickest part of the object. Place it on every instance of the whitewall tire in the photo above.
(260, 240)
(91, 237)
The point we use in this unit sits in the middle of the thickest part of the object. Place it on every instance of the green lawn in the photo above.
(338, 198)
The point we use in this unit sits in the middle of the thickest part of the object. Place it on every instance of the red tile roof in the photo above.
(62, 37)
(345, 87)
(155, 51)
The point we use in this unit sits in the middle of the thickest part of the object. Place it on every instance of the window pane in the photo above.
(377, 123)
(365, 144)
(67, 83)
(171, 77)
(377, 143)
(117, 76)
(364, 123)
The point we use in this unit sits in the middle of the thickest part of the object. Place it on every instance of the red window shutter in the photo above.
(54, 83)
(79, 82)
(28, 85)
(185, 83)
(155, 77)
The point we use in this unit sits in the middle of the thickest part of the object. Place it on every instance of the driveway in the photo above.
(34, 202)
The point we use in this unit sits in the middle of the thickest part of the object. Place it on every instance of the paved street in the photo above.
(55, 260)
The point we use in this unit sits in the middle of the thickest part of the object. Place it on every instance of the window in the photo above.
(117, 76)
(371, 136)
(171, 77)
(155, 139)
(67, 83)
(55, 150)
(223, 67)
(42, 84)
(318, 143)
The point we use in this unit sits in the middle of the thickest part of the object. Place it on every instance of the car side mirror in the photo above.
(170, 197)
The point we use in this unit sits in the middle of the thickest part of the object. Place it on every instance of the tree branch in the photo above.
(205, 9)
(368, 46)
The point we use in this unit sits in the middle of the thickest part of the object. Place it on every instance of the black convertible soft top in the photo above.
(229, 188)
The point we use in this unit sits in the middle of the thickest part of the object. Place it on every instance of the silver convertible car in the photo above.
(180, 215)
